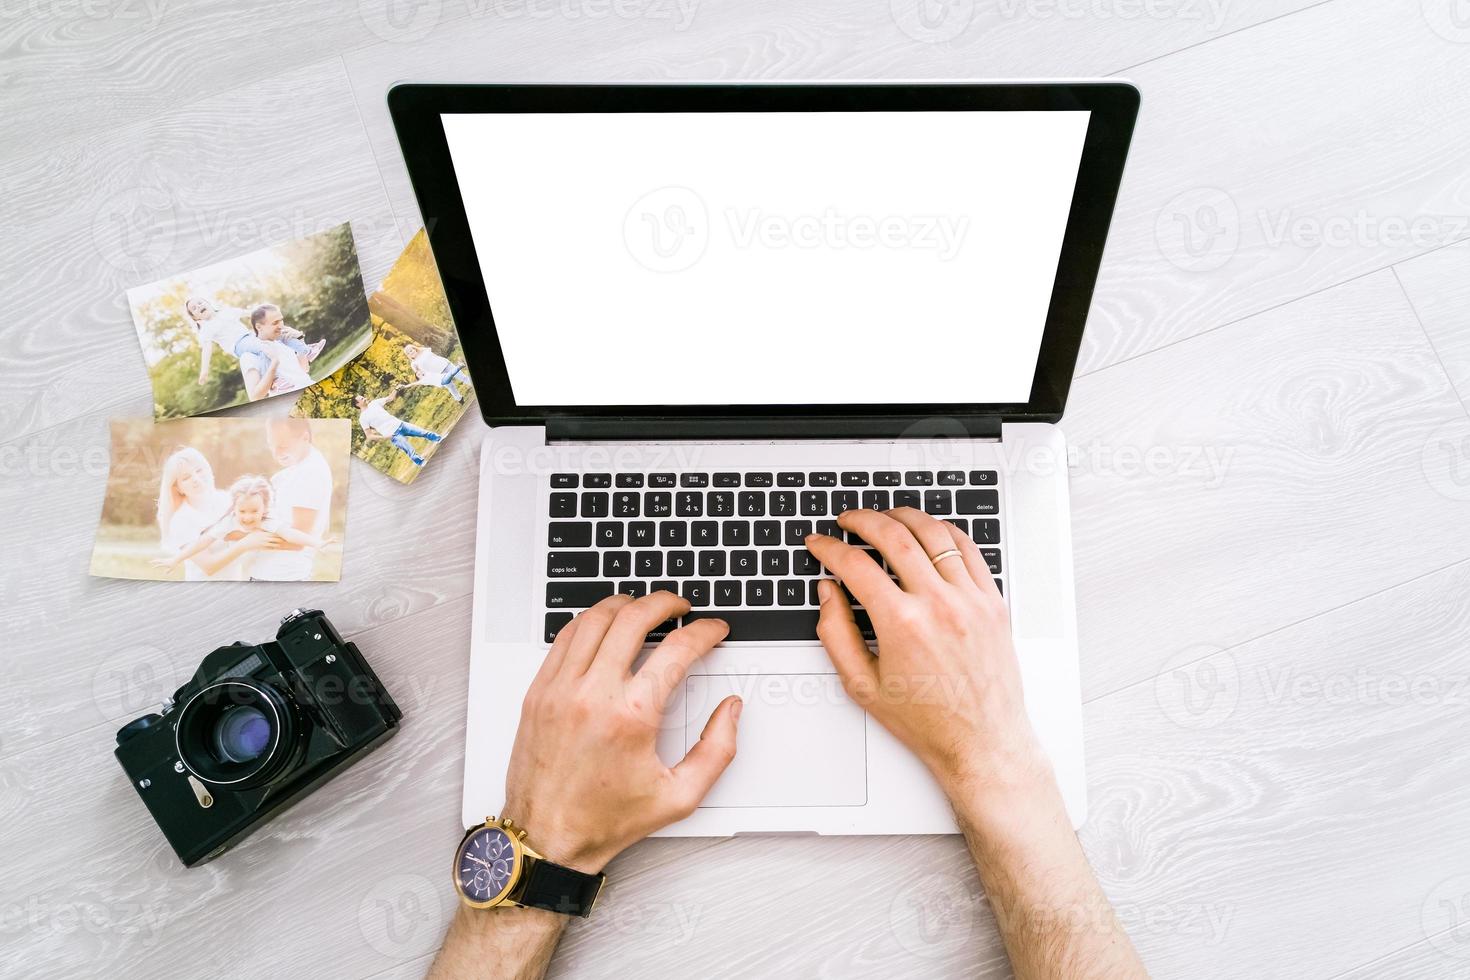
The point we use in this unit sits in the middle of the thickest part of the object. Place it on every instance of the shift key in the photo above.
(576, 595)
(571, 564)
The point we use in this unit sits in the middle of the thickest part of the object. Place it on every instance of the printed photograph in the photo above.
(410, 386)
(225, 500)
(271, 322)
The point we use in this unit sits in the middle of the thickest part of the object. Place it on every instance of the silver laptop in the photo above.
(704, 320)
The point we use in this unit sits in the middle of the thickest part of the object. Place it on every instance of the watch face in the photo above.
(486, 861)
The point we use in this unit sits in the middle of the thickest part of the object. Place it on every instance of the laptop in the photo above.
(705, 319)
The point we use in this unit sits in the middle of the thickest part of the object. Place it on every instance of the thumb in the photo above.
(711, 755)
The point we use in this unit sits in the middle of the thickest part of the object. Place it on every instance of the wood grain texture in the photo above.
(1266, 798)
(1438, 286)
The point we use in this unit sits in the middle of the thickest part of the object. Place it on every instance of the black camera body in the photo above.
(255, 730)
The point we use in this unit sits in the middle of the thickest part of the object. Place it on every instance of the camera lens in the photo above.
(241, 733)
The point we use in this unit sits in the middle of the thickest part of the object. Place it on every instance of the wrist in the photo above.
(558, 843)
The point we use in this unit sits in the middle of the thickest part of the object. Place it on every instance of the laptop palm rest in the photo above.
(802, 743)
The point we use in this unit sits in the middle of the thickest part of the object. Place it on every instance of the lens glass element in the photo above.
(241, 733)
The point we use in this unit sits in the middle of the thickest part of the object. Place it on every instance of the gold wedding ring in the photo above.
(951, 553)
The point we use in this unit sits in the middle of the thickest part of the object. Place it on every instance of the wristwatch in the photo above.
(493, 866)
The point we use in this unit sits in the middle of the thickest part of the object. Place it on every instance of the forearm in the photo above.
(498, 942)
(1052, 914)
(212, 563)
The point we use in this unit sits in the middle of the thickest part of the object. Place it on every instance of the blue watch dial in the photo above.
(486, 860)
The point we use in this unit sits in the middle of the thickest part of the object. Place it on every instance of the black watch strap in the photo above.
(558, 889)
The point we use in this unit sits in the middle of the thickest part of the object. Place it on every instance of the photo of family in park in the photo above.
(410, 386)
(225, 500)
(271, 322)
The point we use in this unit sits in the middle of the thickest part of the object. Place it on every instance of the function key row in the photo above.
(831, 478)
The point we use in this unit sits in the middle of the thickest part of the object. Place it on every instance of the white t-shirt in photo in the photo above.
(429, 365)
(307, 484)
(184, 528)
(225, 328)
(375, 416)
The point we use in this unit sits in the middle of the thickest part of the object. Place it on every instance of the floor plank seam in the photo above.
(1428, 339)
(1221, 37)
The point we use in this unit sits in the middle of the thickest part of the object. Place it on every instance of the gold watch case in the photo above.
(522, 856)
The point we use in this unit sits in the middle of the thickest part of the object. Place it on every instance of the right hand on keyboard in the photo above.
(946, 681)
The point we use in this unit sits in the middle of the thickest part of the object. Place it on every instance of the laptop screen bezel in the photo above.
(417, 111)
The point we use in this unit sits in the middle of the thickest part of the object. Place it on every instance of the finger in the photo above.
(975, 563)
(629, 631)
(844, 644)
(671, 659)
(551, 664)
(934, 538)
(869, 583)
(896, 543)
(593, 627)
(711, 755)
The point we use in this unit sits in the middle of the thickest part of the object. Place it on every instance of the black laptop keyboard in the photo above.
(733, 543)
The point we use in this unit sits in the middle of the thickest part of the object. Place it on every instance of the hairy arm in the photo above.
(947, 620)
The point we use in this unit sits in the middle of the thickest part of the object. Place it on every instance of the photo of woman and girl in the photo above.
(232, 500)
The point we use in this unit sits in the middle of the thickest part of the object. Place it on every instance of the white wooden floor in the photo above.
(1271, 502)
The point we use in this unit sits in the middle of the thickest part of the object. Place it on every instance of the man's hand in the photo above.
(583, 776)
(946, 682)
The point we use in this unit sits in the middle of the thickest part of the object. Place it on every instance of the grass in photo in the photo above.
(410, 386)
(224, 500)
(271, 322)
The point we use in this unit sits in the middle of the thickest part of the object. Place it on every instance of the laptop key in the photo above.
(571, 564)
(961, 522)
(783, 503)
(721, 503)
(985, 532)
(633, 588)
(1001, 587)
(554, 622)
(918, 478)
(813, 503)
(791, 592)
(663, 585)
(626, 504)
(951, 478)
(742, 563)
(759, 592)
(977, 501)
(600, 481)
(727, 593)
(844, 500)
(937, 502)
(694, 480)
(569, 534)
(633, 480)
(712, 563)
(752, 503)
(704, 534)
(727, 479)
(983, 478)
(790, 479)
(660, 479)
(576, 595)
(767, 533)
(775, 563)
(673, 534)
(658, 504)
(907, 498)
(887, 478)
(803, 562)
(735, 534)
(561, 480)
(822, 480)
(641, 534)
(662, 630)
(759, 479)
(697, 592)
(563, 505)
(796, 532)
(830, 528)
(992, 559)
(854, 479)
(680, 563)
(617, 564)
(609, 534)
(648, 564)
(594, 504)
(763, 624)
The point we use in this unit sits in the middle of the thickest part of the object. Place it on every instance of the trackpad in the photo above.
(802, 742)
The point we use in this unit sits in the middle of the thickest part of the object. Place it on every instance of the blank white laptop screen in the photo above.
(768, 258)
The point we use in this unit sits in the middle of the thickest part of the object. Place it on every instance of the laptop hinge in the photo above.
(567, 428)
